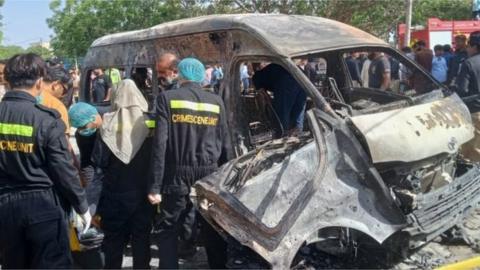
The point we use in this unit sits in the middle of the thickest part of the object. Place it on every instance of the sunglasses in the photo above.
(64, 88)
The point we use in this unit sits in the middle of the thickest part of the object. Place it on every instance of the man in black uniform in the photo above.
(468, 84)
(457, 59)
(167, 73)
(34, 166)
(191, 141)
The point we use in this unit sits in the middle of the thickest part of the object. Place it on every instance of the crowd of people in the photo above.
(444, 62)
(458, 70)
(135, 173)
(380, 71)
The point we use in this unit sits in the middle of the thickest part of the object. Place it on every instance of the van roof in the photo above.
(288, 35)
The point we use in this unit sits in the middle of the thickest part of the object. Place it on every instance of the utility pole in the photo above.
(408, 22)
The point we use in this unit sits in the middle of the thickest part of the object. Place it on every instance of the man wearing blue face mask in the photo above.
(86, 119)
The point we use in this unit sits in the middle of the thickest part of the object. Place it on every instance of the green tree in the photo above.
(78, 23)
(40, 50)
(378, 17)
(9, 51)
(442, 9)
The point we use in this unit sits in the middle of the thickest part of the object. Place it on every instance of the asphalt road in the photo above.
(198, 261)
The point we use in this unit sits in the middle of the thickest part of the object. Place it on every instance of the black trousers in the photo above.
(33, 231)
(169, 225)
(126, 217)
(188, 221)
(93, 188)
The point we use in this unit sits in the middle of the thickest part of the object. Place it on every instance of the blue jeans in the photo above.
(246, 84)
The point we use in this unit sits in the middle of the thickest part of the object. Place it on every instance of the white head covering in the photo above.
(124, 129)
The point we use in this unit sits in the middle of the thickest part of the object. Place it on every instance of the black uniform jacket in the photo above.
(120, 177)
(33, 150)
(191, 138)
(468, 81)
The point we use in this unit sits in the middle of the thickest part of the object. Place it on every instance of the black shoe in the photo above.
(186, 250)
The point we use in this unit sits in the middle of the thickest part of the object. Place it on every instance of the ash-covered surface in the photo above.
(458, 244)
(450, 248)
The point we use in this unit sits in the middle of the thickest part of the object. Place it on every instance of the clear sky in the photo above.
(24, 22)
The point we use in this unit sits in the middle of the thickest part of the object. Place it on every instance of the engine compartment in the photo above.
(406, 181)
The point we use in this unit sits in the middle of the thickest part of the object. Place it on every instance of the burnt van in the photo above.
(377, 162)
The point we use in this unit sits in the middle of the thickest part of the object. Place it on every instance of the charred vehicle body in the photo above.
(379, 163)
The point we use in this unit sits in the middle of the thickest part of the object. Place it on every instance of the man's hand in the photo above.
(86, 221)
(154, 198)
(107, 96)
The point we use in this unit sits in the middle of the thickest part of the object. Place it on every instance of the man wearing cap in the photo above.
(191, 141)
(468, 84)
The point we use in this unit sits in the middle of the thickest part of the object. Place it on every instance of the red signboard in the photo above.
(438, 32)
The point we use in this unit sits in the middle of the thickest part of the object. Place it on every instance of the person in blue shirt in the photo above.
(439, 65)
(244, 77)
(447, 53)
(217, 76)
(353, 65)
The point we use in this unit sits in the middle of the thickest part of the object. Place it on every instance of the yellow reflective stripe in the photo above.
(16, 129)
(472, 263)
(194, 106)
(150, 123)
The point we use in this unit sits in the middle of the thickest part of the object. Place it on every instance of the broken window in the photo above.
(274, 102)
(284, 162)
(371, 79)
(386, 71)
(141, 75)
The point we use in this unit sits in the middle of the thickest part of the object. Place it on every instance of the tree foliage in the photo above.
(40, 50)
(77, 23)
(10, 50)
(442, 9)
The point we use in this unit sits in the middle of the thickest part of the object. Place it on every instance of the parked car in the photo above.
(375, 162)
